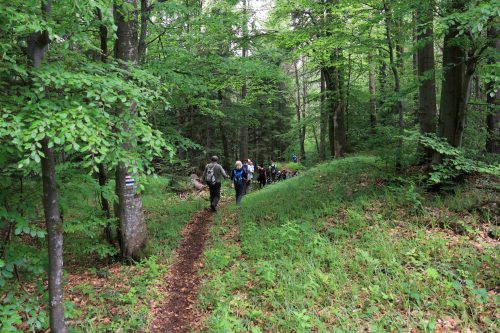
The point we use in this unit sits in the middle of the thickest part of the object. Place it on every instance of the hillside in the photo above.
(347, 246)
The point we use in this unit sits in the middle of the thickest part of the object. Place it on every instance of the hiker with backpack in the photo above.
(239, 177)
(212, 177)
(273, 170)
(262, 178)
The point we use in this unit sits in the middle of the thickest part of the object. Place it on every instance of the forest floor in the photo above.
(176, 313)
(346, 246)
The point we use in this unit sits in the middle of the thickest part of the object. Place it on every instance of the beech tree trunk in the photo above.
(298, 108)
(129, 209)
(323, 119)
(37, 48)
(141, 49)
(304, 108)
(336, 117)
(455, 90)
(493, 117)
(373, 94)
(398, 107)
(426, 75)
(102, 172)
(244, 126)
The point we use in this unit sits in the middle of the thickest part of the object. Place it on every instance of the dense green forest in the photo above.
(392, 108)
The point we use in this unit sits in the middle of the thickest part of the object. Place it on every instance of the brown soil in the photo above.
(176, 313)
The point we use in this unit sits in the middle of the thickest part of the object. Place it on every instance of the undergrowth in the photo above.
(100, 293)
(347, 247)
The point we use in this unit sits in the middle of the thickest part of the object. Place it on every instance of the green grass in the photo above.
(124, 305)
(344, 247)
(101, 294)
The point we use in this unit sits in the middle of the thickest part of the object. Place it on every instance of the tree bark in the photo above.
(398, 107)
(493, 117)
(298, 107)
(426, 75)
(129, 208)
(373, 94)
(141, 50)
(244, 127)
(336, 117)
(102, 172)
(455, 89)
(323, 119)
(55, 236)
(304, 108)
(37, 48)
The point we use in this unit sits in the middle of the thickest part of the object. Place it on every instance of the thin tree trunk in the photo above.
(141, 49)
(37, 48)
(339, 116)
(426, 76)
(55, 237)
(304, 108)
(129, 209)
(102, 174)
(493, 117)
(348, 92)
(373, 94)
(298, 106)
(397, 84)
(382, 77)
(323, 119)
(244, 126)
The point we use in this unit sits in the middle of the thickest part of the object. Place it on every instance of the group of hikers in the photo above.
(241, 176)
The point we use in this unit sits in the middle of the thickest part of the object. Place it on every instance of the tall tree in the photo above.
(37, 48)
(426, 72)
(396, 65)
(323, 119)
(244, 53)
(129, 208)
(304, 108)
(298, 107)
(493, 100)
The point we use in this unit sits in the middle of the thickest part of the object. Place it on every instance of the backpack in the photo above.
(273, 168)
(238, 176)
(210, 177)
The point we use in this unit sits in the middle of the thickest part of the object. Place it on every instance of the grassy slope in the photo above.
(341, 249)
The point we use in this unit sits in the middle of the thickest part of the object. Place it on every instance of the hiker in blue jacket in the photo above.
(239, 177)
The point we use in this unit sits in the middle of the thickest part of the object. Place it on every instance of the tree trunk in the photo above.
(141, 49)
(373, 94)
(426, 76)
(455, 90)
(298, 107)
(37, 48)
(304, 107)
(336, 118)
(55, 236)
(102, 173)
(323, 119)
(244, 127)
(243, 130)
(129, 208)
(397, 84)
(348, 92)
(493, 117)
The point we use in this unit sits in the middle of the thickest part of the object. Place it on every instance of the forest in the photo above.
(374, 125)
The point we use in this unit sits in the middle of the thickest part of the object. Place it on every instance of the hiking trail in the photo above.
(175, 314)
